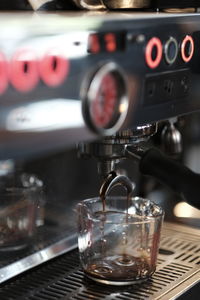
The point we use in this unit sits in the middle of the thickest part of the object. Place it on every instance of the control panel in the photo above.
(157, 62)
(95, 75)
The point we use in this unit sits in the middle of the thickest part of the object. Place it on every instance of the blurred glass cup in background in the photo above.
(21, 196)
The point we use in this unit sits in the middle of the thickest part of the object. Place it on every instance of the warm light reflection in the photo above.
(122, 107)
(184, 210)
(45, 115)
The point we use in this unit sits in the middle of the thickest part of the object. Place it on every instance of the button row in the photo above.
(25, 69)
(155, 51)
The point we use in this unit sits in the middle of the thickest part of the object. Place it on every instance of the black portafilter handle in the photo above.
(171, 173)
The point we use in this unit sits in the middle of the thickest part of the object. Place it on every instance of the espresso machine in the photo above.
(84, 94)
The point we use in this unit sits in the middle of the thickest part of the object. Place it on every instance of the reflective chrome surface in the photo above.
(111, 149)
(39, 257)
(26, 125)
(172, 139)
(121, 4)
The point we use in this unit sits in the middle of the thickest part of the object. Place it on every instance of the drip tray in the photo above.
(178, 270)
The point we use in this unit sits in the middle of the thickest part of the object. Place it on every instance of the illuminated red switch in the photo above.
(94, 43)
(23, 71)
(54, 68)
(3, 73)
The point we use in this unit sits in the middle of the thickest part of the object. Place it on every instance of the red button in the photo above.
(154, 43)
(110, 42)
(187, 41)
(94, 43)
(54, 68)
(24, 74)
(3, 73)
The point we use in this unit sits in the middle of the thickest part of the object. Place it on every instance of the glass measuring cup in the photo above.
(118, 245)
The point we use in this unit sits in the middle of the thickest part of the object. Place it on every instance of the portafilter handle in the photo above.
(169, 172)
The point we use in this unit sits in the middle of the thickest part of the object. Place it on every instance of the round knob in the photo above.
(172, 139)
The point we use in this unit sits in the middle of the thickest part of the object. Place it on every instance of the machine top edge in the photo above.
(54, 22)
(105, 15)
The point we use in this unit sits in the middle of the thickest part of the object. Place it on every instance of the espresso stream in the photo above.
(121, 267)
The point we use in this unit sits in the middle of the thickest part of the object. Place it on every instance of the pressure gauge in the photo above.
(105, 100)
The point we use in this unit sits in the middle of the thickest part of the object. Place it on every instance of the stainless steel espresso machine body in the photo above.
(104, 81)
(151, 60)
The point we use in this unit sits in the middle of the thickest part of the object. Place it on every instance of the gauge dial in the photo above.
(106, 103)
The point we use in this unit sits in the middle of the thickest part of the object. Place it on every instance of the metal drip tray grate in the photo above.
(178, 269)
